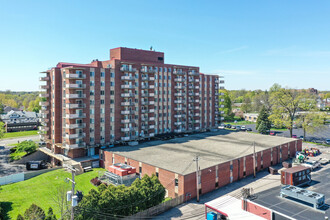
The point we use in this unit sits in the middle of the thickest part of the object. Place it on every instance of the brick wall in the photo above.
(258, 210)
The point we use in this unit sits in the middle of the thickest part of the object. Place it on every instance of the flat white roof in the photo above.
(232, 207)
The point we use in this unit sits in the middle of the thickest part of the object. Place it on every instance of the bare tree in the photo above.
(60, 201)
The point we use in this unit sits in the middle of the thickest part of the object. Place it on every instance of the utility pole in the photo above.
(73, 171)
(254, 159)
(197, 177)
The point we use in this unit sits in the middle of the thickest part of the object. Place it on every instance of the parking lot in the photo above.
(319, 136)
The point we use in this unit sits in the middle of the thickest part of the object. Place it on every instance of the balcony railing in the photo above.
(43, 95)
(193, 73)
(178, 108)
(77, 145)
(75, 136)
(44, 87)
(46, 78)
(178, 130)
(127, 94)
(75, 76)
(43, 128)
(127, 69)
(75, 86)
(178, 123)
(70, 106)
(124, 121)
(75, 96)
(73, 116)
(127, 86)
(44, 103)
(126, 129)
(179, 94)
(127, 77)
(127, 112)
(178, 80)
(178, 101)
(74, 126)
(127, 103)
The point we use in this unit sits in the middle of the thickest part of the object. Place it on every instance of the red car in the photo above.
(272, 133)
(294, 136)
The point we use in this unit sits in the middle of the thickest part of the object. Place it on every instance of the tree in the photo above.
(2, 129)
(263, 124)
(34, 213)
(60, 201)
(286, 104)
(226, 102)
(50, 214)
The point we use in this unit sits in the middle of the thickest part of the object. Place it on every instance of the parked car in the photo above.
(294, 136)
(324, 161)
(327, 141)
(238, 127)
(228, 125)
(243, 128)
(301, 137)
(294, 126)
(42, 144)
(221, 127)
(249, 129)
(2, 147)
(312, 164)
(233, 127)
(272, 133)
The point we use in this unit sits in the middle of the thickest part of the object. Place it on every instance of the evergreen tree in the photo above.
(263, 124)
(34, 213)
(50, 214)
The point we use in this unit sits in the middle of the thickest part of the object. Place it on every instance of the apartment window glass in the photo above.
(91, 92)
(102, 92)
(102, 101)
(102, 74)
(102, 110)
(112, 83)
(91, 83)
(91, 102)
(102, 83)
(91, 111)
(91, 74)
(91, 120)
(112, 75)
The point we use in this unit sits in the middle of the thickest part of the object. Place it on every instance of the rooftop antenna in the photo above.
(151, 48)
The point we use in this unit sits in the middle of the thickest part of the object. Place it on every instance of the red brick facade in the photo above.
(227, 172)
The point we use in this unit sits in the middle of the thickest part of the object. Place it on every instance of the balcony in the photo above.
(127, 78)
(151, 126)
(178, 123)
(196, 100)
(46, 78)
(222, 87)
(179, 116)
(44, 87)
(190, 94)
(222, 93)
(197, 114)
(81, 144)
(151, 110)
(178, 109)
(178, 80)
(222, 112)
(75, 96)
(197, 121)
(178, 72)
(196, 94)
(190, 86)
(144, 94)
(193, 73)
(222, 100)
(75, 86)
(126, 129)
(127, 94)
(152, 119)
(151, 78)
(179, 87)
(179, 94)
(222, 81)
(197, 128)
(190, 79)
(222, 118)
(196, 87)
(144, 103)
(151, 135)
(71, 106)
(125, 138)
(74, 116)
(44, 95)
(44, 111)
(125, 121)
(126, 112)
(178, 101)
(178, 130)
(127, 86)
(151, 102)
(196, 107)
(144, 78)
(144, 86)
(127, 103)
(44, 103)
(196, 80)
(127, 69)
(221, 106)
(75, 136)
(74, 126)
(75, 76)
(151, 94)
(216, 93)
(190, 100)
(43, 128)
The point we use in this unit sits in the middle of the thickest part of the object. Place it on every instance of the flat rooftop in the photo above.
(213, 148)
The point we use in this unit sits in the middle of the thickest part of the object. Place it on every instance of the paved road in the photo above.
(5, 167)
(320, 135)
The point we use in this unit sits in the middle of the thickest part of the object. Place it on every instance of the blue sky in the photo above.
(254, 44)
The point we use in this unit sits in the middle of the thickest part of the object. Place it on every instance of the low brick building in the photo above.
(224, 157)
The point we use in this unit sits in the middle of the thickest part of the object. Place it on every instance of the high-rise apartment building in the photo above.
(132, 96)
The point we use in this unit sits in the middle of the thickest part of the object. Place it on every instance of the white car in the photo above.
(221, 127)
(311, 164)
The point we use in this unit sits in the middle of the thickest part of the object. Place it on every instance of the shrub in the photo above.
(95, 181)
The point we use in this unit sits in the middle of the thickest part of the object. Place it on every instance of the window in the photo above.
(102, 74)
(102, 92)
(102, 110)
(91, 92)
(112, 75)
(176, 182)
(91, 111)
(102, 101)
(112, 83)
(91, 83)
(102, 83)
(91, 102)
(91, 120)
(91, 74)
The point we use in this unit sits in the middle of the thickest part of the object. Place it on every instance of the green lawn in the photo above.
(20, 134)
(278, 129)
(41, 190)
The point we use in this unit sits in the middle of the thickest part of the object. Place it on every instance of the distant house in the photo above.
(251, 117)
(8, 109)
(20, 120)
